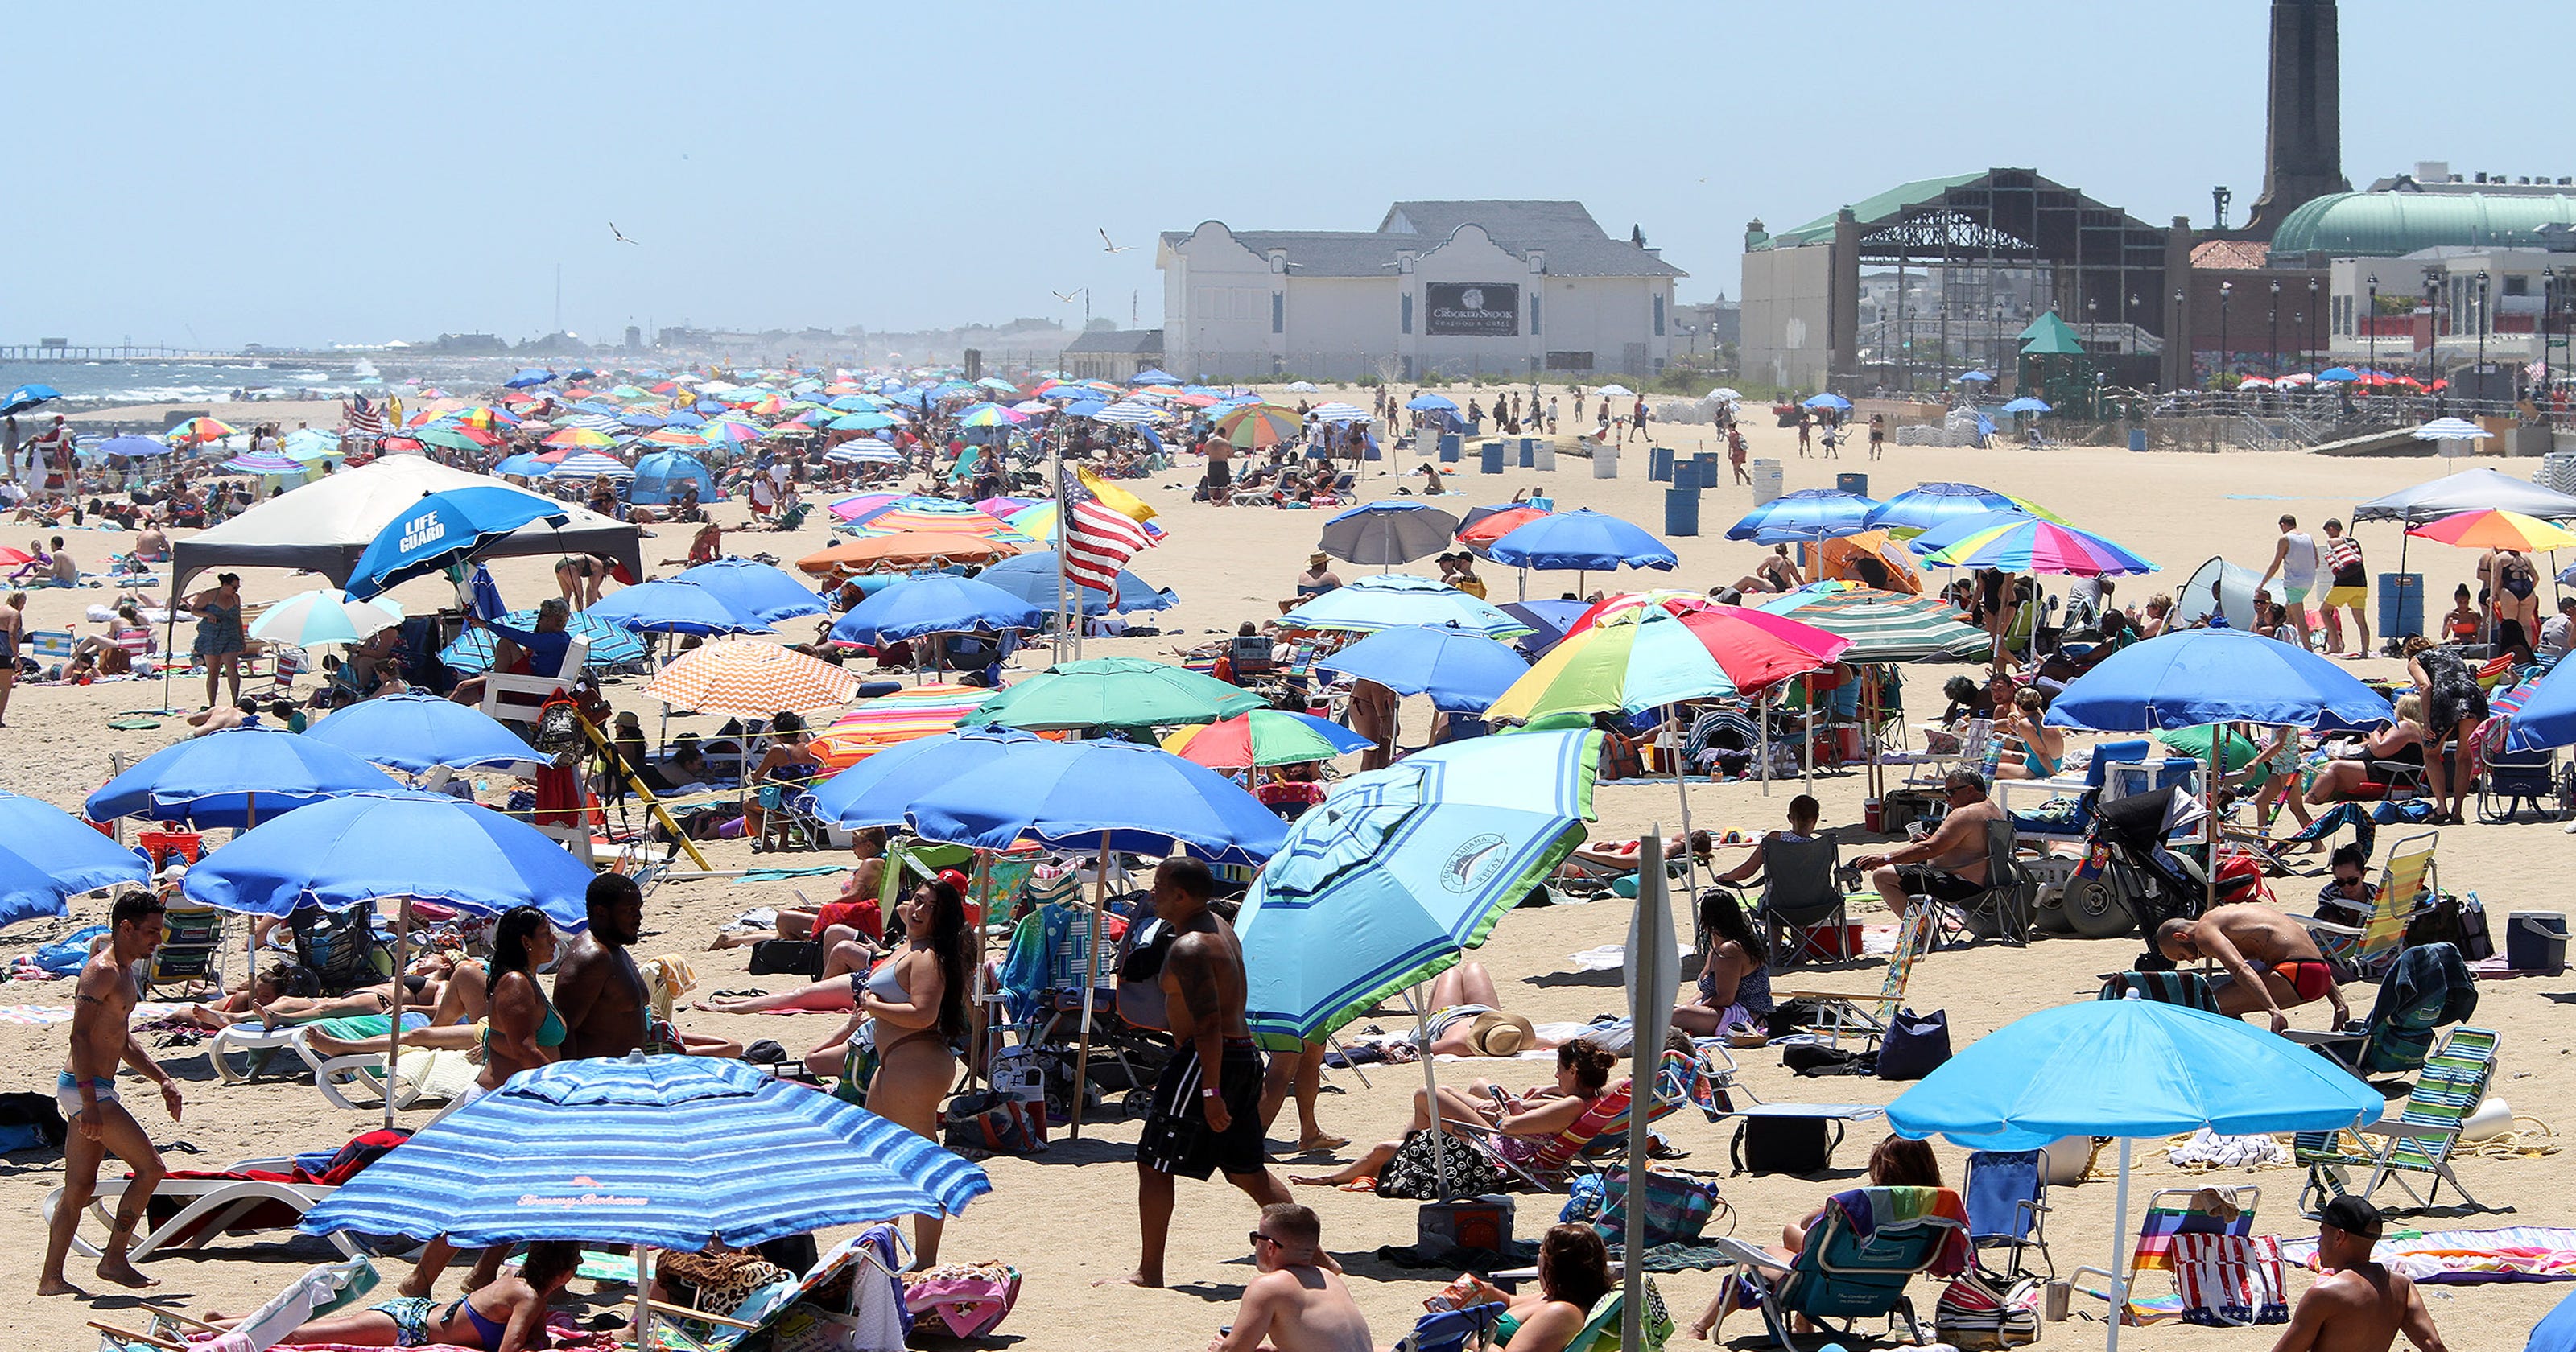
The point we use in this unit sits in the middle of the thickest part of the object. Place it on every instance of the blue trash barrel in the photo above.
(1659, 464)
(1529, 453)
(1709, 473)
(1855, 484)
(1681, 511)
(1448, 448)
(1685, 474)
(2401, 604)
(1493, 457)
(2137, 438)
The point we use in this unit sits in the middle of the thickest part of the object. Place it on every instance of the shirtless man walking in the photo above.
(13, 633)
(102, 1003)
(1947, 865)
(1199, 1125)
(606, 1006)
(1298, 1303)
(2271, 961)
(2357, 1305)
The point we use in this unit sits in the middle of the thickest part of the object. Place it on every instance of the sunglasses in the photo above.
(1259, 1238)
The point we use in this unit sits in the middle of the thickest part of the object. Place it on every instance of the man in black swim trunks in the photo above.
(1198, 1127)
(1947, 865)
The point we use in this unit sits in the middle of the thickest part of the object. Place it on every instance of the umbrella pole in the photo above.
(1521, 575)
(393, 1040)
(1807, 734)
(1430, 1084)
(1090, 984)
(1762, 717)
(643, 1284)
(2119, 1229)
(1681, 787)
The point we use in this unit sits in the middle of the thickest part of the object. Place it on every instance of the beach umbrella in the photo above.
(674, 607)
(1883, 626)
(865, 420)
(2026, 404)
(1648, 658)
(1972, 378)
(1581, 541)
(443, 528)
(2339, 375)
(866, 451)
(1484, 525)
(1925, 506)
(527, 377)
(394, 843)
(1616, 392)
(610, 645)
(858, 505)
(1808, 514)
(751, 679)
(236, 778)
(525, 465)
(2495, 529)
(417, 733)
(1724, 395)
(1396, 600)
(2177, 1070)
(133, 447)
(1548, 618)
(937, 604)
(266, 464)
(1115, 796)
(1153, 375)
(2547, 714)
(989, 415)
(1652, 966)
(1828, 400)
(26, 397)
(1113, 692)
(1431, 403)
(1462, 672)
(904, 550)
(1950, 531)
(942, 516)
(1388, 532)
(1130, 412)
(1263, 737)
(2030, 545)
(660, 475)
(1383, 885)
(2556, 1331)
(590, 465)
(324, 615)
(198, 431)
(675, 1152)
(1032, 578)
(580, 439)
(46, 855)
(750, 587)
(2451, 429)
(879, 722)
(2202, 676)
(1260, 426)
(1338, 412)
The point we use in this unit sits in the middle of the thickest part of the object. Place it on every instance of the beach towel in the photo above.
(2518, 1253)
(2227, 1281)
(2365, 832)
(1871, 1208)
(45, 1016)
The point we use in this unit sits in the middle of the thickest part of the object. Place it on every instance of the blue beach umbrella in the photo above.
(1431, 403)
(660, 476)
(674, 607)
(1806, 515)
(674, 1152)
(1829, 400)
(1549, 618)
(1397, 600)
(528, 377)
(442, 528)
(940, 603)
(881, 789)
(525, 465)
(2547, 717)
(1924, 506)
(234, 778)
(362, 847)
(1581, 540)
(2338, 375)
(46, 855)
(754, 588)
(2026, 404)
(1031, 577)
(417, 732)
(1104, 795)
(26, 397)
(1972, 378)
(610, 645)
(1398, 871)
(2202, 676)
(1153, 375)
(1462, 672)
(133, 447)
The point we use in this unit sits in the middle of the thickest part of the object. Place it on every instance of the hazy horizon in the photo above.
(217, 177)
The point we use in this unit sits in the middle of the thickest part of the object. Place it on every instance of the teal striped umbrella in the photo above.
(1883, 626)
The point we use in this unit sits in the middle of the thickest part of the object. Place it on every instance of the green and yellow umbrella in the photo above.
(1257, 427)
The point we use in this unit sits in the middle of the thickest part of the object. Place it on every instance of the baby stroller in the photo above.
(2130, 879)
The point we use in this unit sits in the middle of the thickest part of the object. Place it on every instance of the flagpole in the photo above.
(1055, 460)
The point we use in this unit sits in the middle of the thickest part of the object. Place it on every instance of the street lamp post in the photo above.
(2182, 323)
(2482, 332)
(2307, 330)
(2432, 324)
(1999, 343)
(2273, 313)
(2225, 290)
(2370, 326)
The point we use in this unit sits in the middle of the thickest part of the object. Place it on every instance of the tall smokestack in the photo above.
(2303, 140)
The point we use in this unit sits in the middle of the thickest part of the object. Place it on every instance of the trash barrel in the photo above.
(1659, 464)
(2401, 604)
(1710, 476)
(1491, 458)
(1685, 474)
(1448, 448)
(1529, 453)
(1546, 457)
(1605, 461)
(1766, 481)
(2137, 438)
(1681, 511)
(1855, 484)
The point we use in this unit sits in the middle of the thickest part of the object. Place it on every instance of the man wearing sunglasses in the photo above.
(1298, 1303)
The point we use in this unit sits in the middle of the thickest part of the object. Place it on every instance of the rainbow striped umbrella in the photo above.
(581, 439)
(989, 415)
(947, 516)
(1647, 657)
(683, 438)
(264, 463)
(731, 431)
(198, 431)
(1262, 737)
(2032, 545)
(890, 720)
(1260, 426)
(2493, 528)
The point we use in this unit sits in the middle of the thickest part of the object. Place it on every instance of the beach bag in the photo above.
(1785, 1145)
(1975, 1317)
(1915, 1045)
(1677, 1208)
(993, 1122)
(1414, 1173)
(807, 1327)
(789, 957)
(969, 1299)
(29, 1121)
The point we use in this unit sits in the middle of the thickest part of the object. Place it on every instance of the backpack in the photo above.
(971, 1299)
(29, 1121)
(1414, 1173)
(1785, 1145)
(993, 1123)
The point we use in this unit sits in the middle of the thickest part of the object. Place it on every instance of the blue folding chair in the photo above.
(2007, 1199)
(1453, 1330)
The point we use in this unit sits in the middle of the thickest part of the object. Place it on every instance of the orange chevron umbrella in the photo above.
(752, 679)
(904, 549)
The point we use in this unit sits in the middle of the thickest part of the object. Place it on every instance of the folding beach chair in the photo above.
(2007, 1200)
(2229, 1281)
(258, 1048)
(2170, 1213)
(1453, 1330)
(321, 1290)
(2407, 882)
(857, 1277)
(2189, 989)
(192, 948)
(49, 645)
(1801, 900)
(2514, 778)
(1608, 1320)
(1971, 741)
(1858, 1259)
(2419, 1141)
(2001, 911)
(1679, 1081)
(339, 949)
(2427, 988)
(1844, 1014)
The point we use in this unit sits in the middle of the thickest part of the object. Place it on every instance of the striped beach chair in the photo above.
(2406, 882)
(2170, 1215)
(2228, 1281)
(2449, 1088)
(1679, 1080)
(1865, 1017)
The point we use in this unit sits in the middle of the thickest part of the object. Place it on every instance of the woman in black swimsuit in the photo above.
(2454, 705)
(1998, 600)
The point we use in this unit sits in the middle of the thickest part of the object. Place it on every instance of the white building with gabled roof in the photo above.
(1457, 288)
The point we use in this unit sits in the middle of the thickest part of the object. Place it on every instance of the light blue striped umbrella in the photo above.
(610, 646)
(669, 1151)
(1399, 870)
(1131, 412)
(1399, 600)
(590, 464)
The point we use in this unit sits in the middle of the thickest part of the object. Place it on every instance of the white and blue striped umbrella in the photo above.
(591, 464)
(670, 1151)
(609, 423)
(865, 451)
(1130, 411)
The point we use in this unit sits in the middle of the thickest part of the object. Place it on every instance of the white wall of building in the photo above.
(1786, 316)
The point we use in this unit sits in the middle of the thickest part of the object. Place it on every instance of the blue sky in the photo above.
(284, 173)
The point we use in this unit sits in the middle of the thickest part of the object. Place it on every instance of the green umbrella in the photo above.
(2241, 750)
(1113, 692)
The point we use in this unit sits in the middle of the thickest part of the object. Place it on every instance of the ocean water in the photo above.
(92, 383)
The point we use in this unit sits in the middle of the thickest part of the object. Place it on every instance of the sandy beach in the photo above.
(1066, 1217)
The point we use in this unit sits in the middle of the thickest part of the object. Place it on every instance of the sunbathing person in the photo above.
(1573, 1276)
(1467, 1018)
(1526, 1121)
(1734, 986)
(1620, 852)
(503, 1315)
(2272, 963)
(2400, 743)
(852, 915)
(1896, 1163)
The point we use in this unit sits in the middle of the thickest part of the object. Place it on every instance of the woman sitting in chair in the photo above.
(2036, 750)
(1734, 976)
(1573, 1276)
(2365, 778)
(504, 1315)
(1896, 1163)
(1525, 1122)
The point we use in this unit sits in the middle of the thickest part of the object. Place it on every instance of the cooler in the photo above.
(1681, 511)
(2401, 604)
(1766, 481)
(1659, 464)
(1482, 1223)
(2536, 941)
(1854, 484)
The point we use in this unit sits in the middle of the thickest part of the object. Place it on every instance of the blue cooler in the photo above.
(2536, 941)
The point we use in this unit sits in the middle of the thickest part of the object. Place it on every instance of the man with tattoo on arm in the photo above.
(102, 1004)
(1207, 1104)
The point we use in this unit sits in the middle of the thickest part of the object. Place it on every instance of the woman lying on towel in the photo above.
(506, 1315)
(1526, 1121)
(1896, 1163)
(1622, 853)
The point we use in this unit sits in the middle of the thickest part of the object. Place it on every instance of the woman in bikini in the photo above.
(2042, 748)
(1525, 1122)
(503, 1315)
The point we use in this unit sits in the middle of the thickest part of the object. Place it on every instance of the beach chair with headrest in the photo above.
(1606, 1323)
(1845, 1014)
(2449, 1087)
(1858, 1259)
(192, 947)
(2407, 882)
(2007, 1200)
(1453, 1330)
(1801, 900)
(1680, 1081)
(2189, 989)
(2428, 987)
(2229, 1281)
(192, 1207)
(2172, 1212)
(321, 1290)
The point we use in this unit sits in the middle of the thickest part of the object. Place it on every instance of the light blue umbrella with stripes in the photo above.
(673, 1152)
(610, 646)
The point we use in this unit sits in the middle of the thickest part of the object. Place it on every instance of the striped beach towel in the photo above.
(2515, 1253)
(2226, 1281)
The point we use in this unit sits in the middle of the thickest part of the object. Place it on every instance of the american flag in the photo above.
(364, 418)
(1098, 540)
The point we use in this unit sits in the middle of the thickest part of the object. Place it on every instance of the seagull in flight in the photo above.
(1113, 248)
(615, 234)
(1065, 296)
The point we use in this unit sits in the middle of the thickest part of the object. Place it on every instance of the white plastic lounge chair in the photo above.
(210, 1206)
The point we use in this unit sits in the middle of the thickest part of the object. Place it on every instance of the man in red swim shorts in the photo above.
(2272, 961)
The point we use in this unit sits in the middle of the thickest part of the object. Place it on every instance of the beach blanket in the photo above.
(2519, 1253)
(45, 1016)
(1871, 1208)
(775, 875)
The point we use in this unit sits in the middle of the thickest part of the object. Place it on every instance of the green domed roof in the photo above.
(2388, 224)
